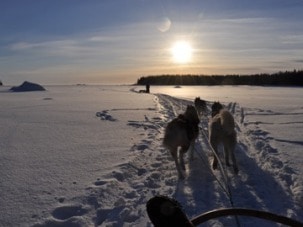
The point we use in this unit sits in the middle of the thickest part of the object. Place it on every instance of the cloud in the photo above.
(222, 45)
(43, 45)
(103, 38)
(293, 39)
(22, 46)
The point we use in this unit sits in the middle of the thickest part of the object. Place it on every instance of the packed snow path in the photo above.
(119, 198)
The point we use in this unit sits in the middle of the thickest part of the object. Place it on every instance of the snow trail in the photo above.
(119, 197)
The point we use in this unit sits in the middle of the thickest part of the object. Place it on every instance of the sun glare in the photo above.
(181, 52)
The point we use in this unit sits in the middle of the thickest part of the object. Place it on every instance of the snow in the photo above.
(93, 155)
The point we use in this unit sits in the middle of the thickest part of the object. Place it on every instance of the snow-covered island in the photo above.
(27, 86)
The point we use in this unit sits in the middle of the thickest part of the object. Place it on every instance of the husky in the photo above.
(200, 105)
(222, 130)
(215, 108)
(182, 132)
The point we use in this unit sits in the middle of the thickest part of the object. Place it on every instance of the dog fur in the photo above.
(222, 130)
(182, 132)
(215, 108)
(200, 105)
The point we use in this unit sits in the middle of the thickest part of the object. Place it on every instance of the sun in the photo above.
(181, 52)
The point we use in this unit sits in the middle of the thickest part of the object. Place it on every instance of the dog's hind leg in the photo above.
(191, 150)
(181, 157)
(229, 149)
(174, 153)
(227, 152)
(214, 145)
(215, 161)
(183, 150)
(232, 152)
(235, 166)
(233, 158)
(214, 139)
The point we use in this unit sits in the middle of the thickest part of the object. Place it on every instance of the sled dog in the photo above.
(200, 105)
(182, 132)
(222, 130)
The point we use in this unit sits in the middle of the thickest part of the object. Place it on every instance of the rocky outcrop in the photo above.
(28, 86)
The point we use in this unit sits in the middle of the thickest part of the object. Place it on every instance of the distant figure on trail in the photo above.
(147, 88)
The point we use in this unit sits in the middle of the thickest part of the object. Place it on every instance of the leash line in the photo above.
(223, 172)
(206, 164)
(227, 189)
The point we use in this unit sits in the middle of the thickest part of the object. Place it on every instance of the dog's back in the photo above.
(183, 129)
(175, 133)
(227, 121)
(191, 115)
(222, 124)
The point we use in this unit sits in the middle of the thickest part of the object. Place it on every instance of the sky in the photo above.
(117, 42)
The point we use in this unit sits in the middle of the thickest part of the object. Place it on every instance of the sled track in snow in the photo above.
(172, 106)
(119, 198)
(261, 170)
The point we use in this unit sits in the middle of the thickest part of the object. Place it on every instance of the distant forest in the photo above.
(287, 78)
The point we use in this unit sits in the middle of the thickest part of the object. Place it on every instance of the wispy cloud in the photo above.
(221, 45)
(62, 47)
(293, 39)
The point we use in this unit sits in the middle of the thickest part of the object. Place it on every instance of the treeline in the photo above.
(287, 78)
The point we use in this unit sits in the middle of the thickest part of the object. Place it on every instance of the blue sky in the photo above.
(118, 41)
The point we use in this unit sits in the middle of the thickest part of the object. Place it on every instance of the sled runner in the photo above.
(166, 212)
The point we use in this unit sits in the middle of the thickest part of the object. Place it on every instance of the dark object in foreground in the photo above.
(164, 211)
(28, 86)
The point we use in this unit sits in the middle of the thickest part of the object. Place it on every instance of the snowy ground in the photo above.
(93, 155)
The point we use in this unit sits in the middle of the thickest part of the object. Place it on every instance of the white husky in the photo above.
(182, 132)
(222, 130)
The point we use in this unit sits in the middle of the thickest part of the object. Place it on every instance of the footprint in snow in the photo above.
(142, 147)
(105, 116)
(65, 212)
(100, 183)
(118, 175)
(156, 164)
(141, 171)
(152, 181)
(60, 199)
